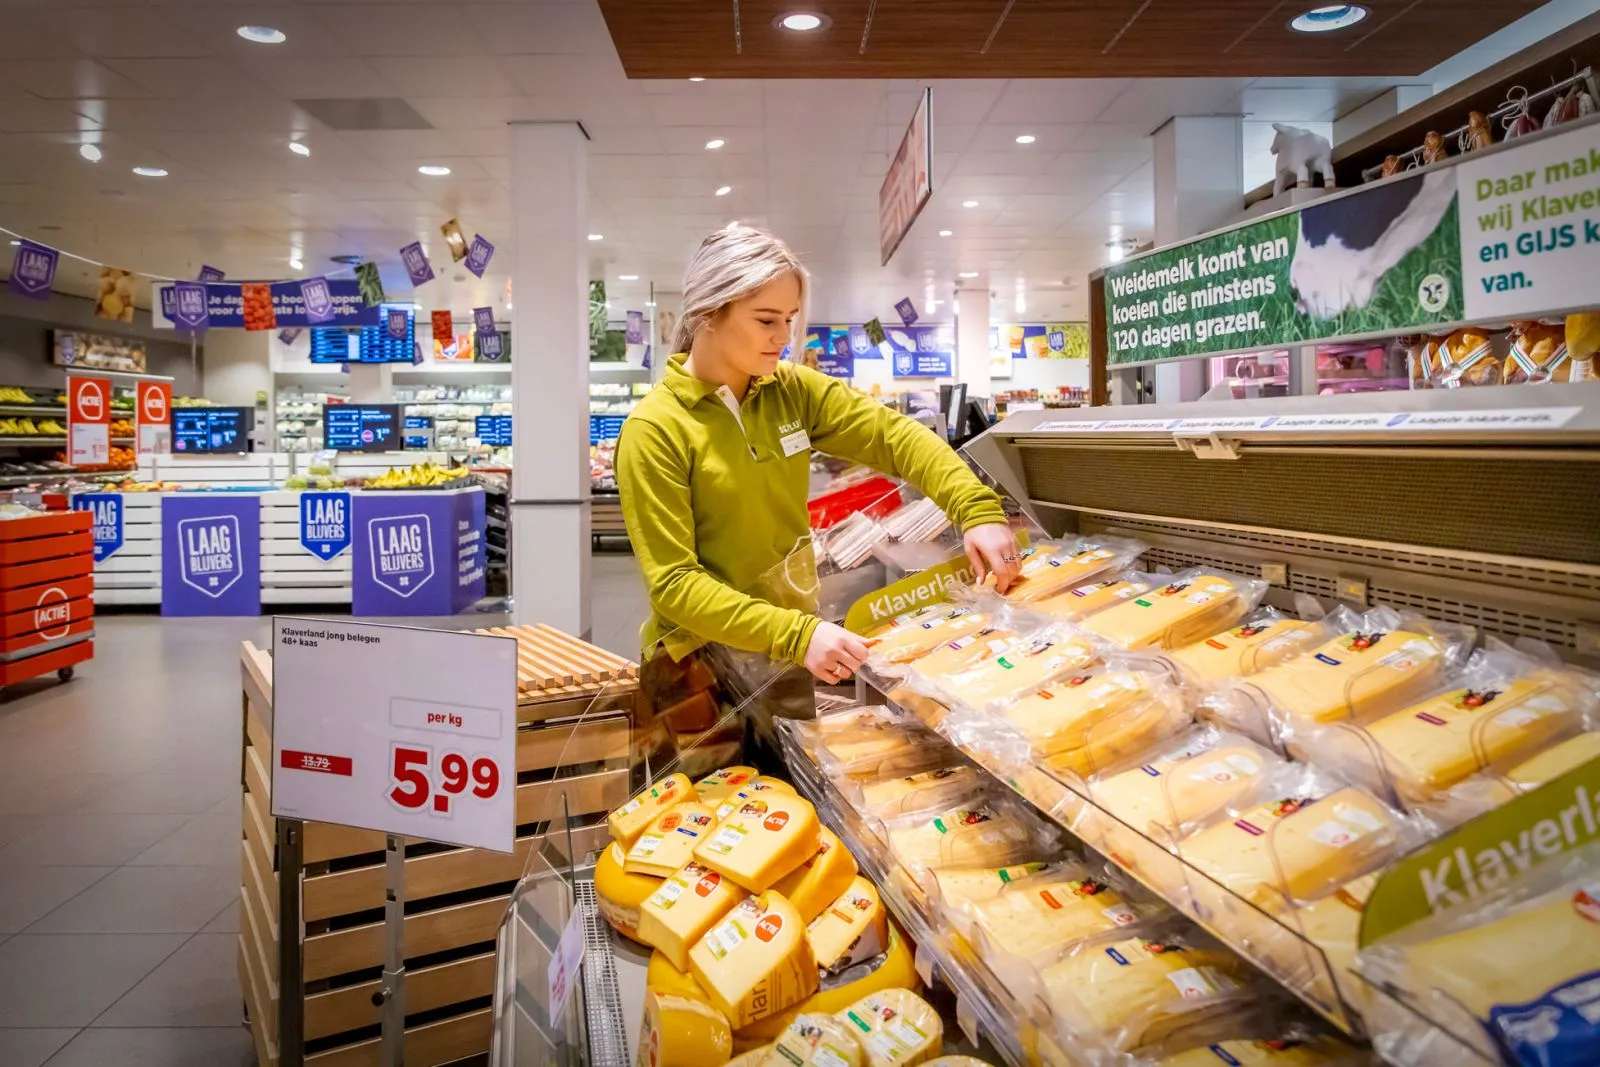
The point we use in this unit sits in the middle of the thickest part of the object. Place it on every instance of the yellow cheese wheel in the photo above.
(670, 840)
(683, 908)
(768, 836)
(1176, 614)
(679, 1032)
(921, 636)
(714, 787)
(940, 788)
(661, 976)
(1353, 675)
(854, 926)
(1241, 650)
(813, 1040)
(1028, 664)
(621, 894)
(756, 961)
(817, 882)
(1086, 600)
(629, 821)
(896, 1027)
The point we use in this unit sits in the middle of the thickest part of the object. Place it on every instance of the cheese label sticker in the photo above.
(1085, 590)
(826, 1056)
(1329, 660)
(726, 839)
(905, 1033)
(1006, 663)
(1336, 834)
(1120, 914)
(776, 821)
(1217, 771)
(646, 845)
(725, 938)
(1142, 603)
(1049, 900)
(1432, 719)
(768, 927)
(1200, 598)
(667, 895)
(794, 442)
(1119, 957)
(1191, 984)
(1214, 643)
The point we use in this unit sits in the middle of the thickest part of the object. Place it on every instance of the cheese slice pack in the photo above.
(1185, 784)
(1315, 1050)
(1029, 663)
(770, 835)
(1333, 924)
(1073, 604)
(896, 1027)
(679, 1032)
(918, 637)
(1353, 677)
(661, 976)
(629, 821)
(1186, 609)
(1264, 640)
(875, 749)
(714, 788)
(813, 885)
(1045, 574)
(814, 1040)
(853, 927)
(1068, 714)
(620, 894)
(936, 790)
(670, 840)
(990, 834)
(966, 652)
(756, 1057)
(956, 889)
(756, 961)
(686, 905)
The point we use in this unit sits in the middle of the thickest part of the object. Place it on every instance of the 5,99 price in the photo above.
(419, 785)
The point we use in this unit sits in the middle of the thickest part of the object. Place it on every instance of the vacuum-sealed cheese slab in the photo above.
(814, 1040)
(896, 1027)
(1318, 1050)
(988, 835)
(756, 961)
(670, 840)
(679, 1032)
(765, 839)
(1046, 574)
(1027, 665)
(1190, 781)
(1064, 714)
(683, 908)
(1184, 610)
(619, 893)
(921, 636)
(1039, 916)
(715, 787)
(1253, 645)
(756, 1057)
(875, 749)
(938, 789)
(1555, 761)
(813, 885)
(661, 976)
(1353, 675)
(629, 821)
(966, 652)
(853, 926)
(959, 887)
(1074, 604)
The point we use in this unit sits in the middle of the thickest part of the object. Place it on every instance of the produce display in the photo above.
(26, 427)
(420, 476)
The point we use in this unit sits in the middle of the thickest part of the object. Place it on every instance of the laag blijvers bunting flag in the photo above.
(479, 255)
(33, 270)
(188, 311)
(483, 319)
(416, 263)
(318, 299)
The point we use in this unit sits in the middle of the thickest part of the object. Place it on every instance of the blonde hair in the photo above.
(730, 265)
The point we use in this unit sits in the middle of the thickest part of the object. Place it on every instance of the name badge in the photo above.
(794, 442)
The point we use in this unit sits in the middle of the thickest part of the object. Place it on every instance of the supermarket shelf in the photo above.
(47, 410)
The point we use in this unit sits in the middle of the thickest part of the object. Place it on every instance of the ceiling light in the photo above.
(14, 241)
(649, 303)
(508, 305)
(91, 152)
(697, 79)
(627, 277)
(1114, 251)
(715, 143)
(295, 264)
(1332, 17)
(262, 34)
(969, 203)
(802, 21)
(724, 190)
(969, 274)
(300, 148)
(1026, 138)
(597, 237)
(433, 170)
(349, 259)
(150, 172)
(947, 233)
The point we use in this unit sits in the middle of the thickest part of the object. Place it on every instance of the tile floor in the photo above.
(119, 831)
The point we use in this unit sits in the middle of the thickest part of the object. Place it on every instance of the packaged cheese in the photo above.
(756, 1057)
(994, 833)
(938, 789)
(1074, 604)
(629, 821)
(896, 1027)
(1075, 563)
(955, 889)
(715, 787)
(683, 908)
(661, 976)
(815, 1040)
(881, 747)
(817, 882)
(669, 840)
(1094, 717)
(1333, 924)
(770, 835)
(918, 637)
(954, 1061)
(1145, 989)
(1487, 791)
(1312, 1050)
(758, 786)
(1185, 783)
(621, 894)
(1188, 608)
(756, 961)
(965, 653)
(1029, 663)
(852, 928)
(679, 1032)
(1263, 640)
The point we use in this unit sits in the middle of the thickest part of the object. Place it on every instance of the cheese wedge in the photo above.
(1064, 715)
(966, 652)
(1353, 676)
(756, 961)
(629, 821)
(873, 750)
(1435, 744)
(1318, 1050)
(683, 908)
(816, 1041)
(670, 840)
(661, 976)
(1044, 575)
(1019, 670)
(1333, 924)
(852, 928)
(1172, 616)
(1040, 916)
(756, 1057)
(765, 839)
(896, 1027)
(959, 887)
(757, 787)
(817, 882)
(1572, 753)
(621, 894)
(1086, 600)
(1182, 787)
(938, 789)
(984, 836)
(1244, 649)
(1319, 844)
(715, 787)
(679, 1032)
(922, 636)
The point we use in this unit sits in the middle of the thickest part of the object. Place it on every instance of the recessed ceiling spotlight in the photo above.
(947, 233)
(969, 203)
(1332, 17)
(349, 259)
(597, 237)
(295, 264)
(697, 79)
(724, 190)
(14, 241)
(715, 143)
(91, 152)
(649, 303)
(802, 21)
(1026, 138)
(300, 148)
(150, 172)
(508, 305)
(969, 274)
(262, 34)
(627, 277)
(433, 170)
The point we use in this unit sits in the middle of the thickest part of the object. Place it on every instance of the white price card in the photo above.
(396, 728)
(564, 965)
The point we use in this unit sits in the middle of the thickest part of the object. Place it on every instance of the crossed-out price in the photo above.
(420, 785)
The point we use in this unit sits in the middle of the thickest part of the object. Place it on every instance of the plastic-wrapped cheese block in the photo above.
(1046, 574)
(765, 839)
(957, 888)
(621, 894)
(1318, 1050)
(679, 1032)
(661, 976)
(1555, 761)
(817, 882)
(966, 652)
(814, 1040)
(756, 1057)
(938, 789)
(1254, 645)
(1143, 990)
(629, 821)
(955, 1061)
(875, 749)
(988, 835)
(1332, 923)
(670, 840)
(756, 961)
(1099, 711)
(854, 926)
(683, 908)
(1174, 615)
(756, 787)
(921, 636)
(1029, 663)
(1086, 600)
(1353, 675)
(1194, 778)
(715, 787)
(896, 1027)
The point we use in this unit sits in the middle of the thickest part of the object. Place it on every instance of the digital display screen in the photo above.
(377, 345)
(493, 430)
(212, 429)
(361, 427)
(419, 431)
(334, 345)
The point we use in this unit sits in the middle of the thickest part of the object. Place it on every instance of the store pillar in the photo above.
(549, 505)
(972, 340)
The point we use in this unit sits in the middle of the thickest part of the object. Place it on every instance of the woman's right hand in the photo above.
(834, 653)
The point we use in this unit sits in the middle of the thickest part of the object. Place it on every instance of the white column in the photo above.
(550, 376)
(371, 383)
(663, 325)
(972, 341)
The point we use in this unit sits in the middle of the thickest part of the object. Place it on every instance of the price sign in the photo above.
(88, 421)
(394, 728)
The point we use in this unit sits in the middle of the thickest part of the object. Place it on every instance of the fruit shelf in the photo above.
(46, 410)
(21, 441)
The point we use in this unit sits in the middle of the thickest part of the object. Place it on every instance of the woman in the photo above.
(713, 465)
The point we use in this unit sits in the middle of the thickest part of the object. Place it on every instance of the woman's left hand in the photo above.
(993, 549)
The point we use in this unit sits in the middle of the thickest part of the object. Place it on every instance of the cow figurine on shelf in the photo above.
(1299, 152)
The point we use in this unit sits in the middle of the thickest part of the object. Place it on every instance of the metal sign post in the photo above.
(391, 996)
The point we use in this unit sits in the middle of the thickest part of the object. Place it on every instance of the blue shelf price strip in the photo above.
(605, 427)
(105, 510)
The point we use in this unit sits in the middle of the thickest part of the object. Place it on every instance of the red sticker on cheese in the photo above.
(776, 821)
(705, 885)
(768, 927)
(670, 821)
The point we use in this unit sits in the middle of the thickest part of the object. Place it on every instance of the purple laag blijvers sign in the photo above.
(416, 261)
(397, 323)
(190, 310)
(479, 255)
(907, 310)
(210, 274)
(318, 299)
(289, 336)
(483, 320)
(33, 270)
(635, 335)
(489, 347)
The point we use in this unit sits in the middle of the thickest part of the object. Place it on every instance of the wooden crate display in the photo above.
(575, 709)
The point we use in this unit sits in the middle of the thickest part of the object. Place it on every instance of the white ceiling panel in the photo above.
(1072, 101)
(1149, 102)
(309, 78)
(117, 30)
(421, 30)
(562, 74)
(69, 79)
(573, 27)
(441, 76)
(20, 113)
(214, 25)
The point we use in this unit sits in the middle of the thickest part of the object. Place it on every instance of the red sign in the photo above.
(315, 761)
(152, 414)
(88, 421)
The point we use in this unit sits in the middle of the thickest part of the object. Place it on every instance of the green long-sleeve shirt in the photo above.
(714, 500)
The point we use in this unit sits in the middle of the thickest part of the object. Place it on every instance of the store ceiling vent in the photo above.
(371, 113)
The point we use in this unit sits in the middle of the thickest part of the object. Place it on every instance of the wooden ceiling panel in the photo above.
(1042, 38)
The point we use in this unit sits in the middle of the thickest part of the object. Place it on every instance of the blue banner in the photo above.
(211, 554)
(325, 523)
(225, 308)
(105, 510)
(837, 360)
(861, 345)
(922, 351)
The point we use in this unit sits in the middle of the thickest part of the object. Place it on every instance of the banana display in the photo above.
(26, 427)
(422, 476)
(10, 394)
